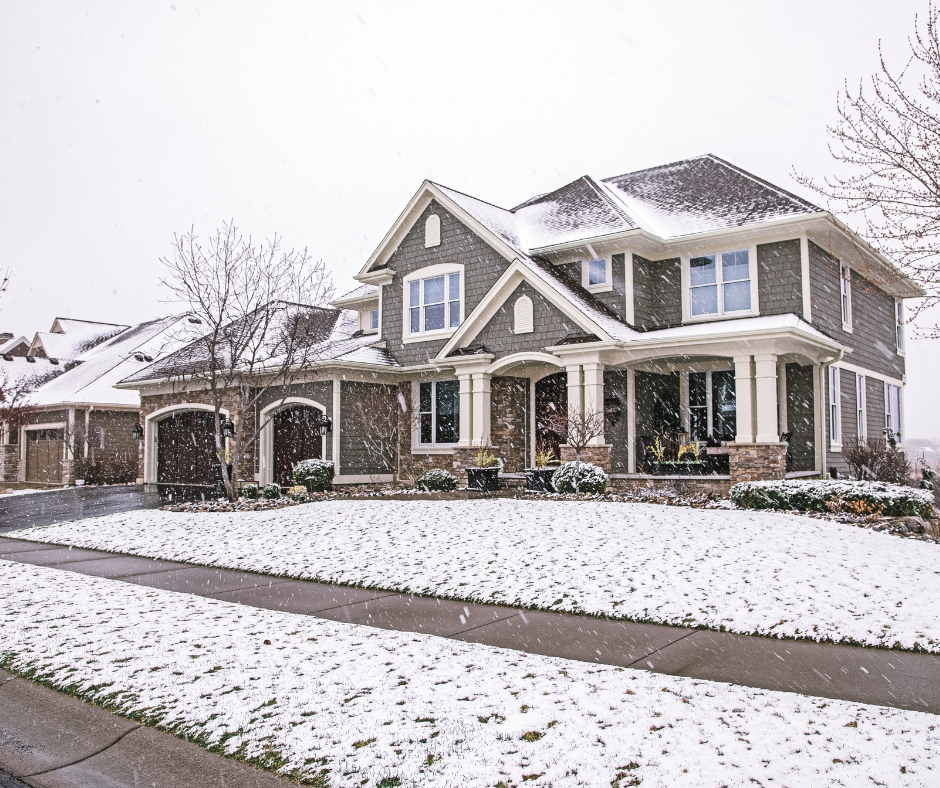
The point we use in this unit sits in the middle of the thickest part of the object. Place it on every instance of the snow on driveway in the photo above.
(747, 571)
(366, 705)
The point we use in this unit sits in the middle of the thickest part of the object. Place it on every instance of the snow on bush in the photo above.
(825, 495)
(591, 479)
(271, 491)
(250, 491)
(315, 475)
(436, 480)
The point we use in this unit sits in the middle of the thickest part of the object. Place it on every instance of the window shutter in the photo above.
(432, 231)
(523, 315)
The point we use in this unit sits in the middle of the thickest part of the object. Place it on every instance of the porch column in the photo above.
(594, 394)
(575, 401)
(466, 409)
(480, 429)
(765, 379)
(743, 395)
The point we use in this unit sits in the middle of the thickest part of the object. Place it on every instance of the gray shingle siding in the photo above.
(550, 325)
(779, 278)
(483, 266)
(873, 339)
(657, 293)
(875, 407)
(357, 457)
(615, 299)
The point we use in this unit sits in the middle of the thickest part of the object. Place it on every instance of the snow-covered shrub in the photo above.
(590, 478)
(877, 459)
(315, 475)
(824, 495)
(271, 491)
(250, 491)
(436, 480)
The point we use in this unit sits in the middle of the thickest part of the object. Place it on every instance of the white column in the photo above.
(466, 409)
(481, 409)
(336, 422)
(743, 394)
(594, 394)
(575, 398)
(765, 379)
(819, 410)
(784, 419)
(631, 421)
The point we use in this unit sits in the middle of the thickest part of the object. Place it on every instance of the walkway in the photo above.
(71, 503)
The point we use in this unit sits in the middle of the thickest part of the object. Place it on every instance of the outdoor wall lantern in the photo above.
(138, 432)
(613, 409)
(228, 427)
(323, 425)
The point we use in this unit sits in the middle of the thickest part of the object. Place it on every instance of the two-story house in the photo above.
(691, 298)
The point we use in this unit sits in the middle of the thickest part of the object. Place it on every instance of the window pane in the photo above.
(698, 423)
(454, 314)
(453, 287)
(702, 270)
(697, 388)
(724, 409)
(424, 398)
(737, 296)
(426, 434)
(415, 320)
(734, 266)
(705, 300)
(434, 290)
(375, 319)
(434, 317)
(597, 272)
(415, 294)
(448, 411)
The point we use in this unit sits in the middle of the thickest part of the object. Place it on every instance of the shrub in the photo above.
(828, 495)
(250, 491)
(271, 491)
(436, 480)
(590, 478)
(877, 459)
(315, 475)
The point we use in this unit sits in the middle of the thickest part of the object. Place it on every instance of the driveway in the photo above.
(54, 506)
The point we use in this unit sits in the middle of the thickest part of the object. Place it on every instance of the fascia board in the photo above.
(344, 302)
(752, 336)
(496, 297)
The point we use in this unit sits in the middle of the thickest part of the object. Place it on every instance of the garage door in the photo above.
(44, 451)
(296, 437)
(186, 449)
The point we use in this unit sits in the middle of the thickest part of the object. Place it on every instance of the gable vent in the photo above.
(432, 231)
(522, 313)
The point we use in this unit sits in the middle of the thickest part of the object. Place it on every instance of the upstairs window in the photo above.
(845, 285)
(432, 231)
(899, 323)
(434, 303)
(595, 275)
(439, 409)
(374, 320)
(720, 284)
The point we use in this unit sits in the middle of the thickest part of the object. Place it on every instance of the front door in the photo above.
(296, 437)
(44, 450)
(551, 400)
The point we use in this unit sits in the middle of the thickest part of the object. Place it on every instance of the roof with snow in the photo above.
(361, 293)
(69, 338)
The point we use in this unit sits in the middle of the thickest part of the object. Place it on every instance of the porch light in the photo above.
(228, 427)
(613, 409)
(138, 432)
(323, 425)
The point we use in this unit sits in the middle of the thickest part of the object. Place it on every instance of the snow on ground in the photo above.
(746, 571)
(25, 492)
(369, 705)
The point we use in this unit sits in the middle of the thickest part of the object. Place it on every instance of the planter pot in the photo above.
(79, 482)
(485, 479)
(539, 479)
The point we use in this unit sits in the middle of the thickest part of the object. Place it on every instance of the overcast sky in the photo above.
(124, 123)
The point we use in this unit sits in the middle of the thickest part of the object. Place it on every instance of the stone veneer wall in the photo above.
(597, 455)
(9, 462)
(687, 486)
(753, 462)
(508, 433)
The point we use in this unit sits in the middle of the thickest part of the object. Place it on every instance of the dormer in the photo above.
(366, 300)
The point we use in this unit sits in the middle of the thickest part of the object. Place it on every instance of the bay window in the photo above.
(439, 409)
(720, 284)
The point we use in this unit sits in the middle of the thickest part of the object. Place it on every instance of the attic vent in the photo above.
(432, 231)
(54, 361)
(148, 358)
(139, 356)
(195, 320)
(31, 359)
(7, 357)
(522, 312)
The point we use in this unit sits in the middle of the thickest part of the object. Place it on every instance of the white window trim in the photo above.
(685, 277)
(845, 304)
(834, 409)
(417, 447)
(429, 272)
(899, 327)
(861, 405)
(607, 286)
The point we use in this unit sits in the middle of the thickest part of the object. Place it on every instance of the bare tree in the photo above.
(887, 139)
(578, 429)
(381, 415)
(15, 407)
(262, 324)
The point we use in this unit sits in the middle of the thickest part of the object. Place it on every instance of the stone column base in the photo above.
(596, 455)
(68, 472)
(10, 462)
(755, 462)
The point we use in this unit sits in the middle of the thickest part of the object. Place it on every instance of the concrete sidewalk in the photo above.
(864, 675)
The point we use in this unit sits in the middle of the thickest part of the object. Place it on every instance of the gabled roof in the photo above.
(357, 296)
(18, 344)
(68, 339)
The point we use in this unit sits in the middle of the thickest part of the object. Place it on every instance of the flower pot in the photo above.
(485, 479)
(539, 479)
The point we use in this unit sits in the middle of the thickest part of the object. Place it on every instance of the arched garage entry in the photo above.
(186, 449)
(288, 435)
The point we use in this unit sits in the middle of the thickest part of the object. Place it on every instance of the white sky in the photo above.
(124, 123)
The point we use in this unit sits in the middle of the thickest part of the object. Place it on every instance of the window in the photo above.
(432, 231)
(860, 406)
(522, 316)
(835, 431)
(439, 408)
(720, 283)
(899, 323)
(712, 405)
(597, 272)
(434, 303)
(374, 320)
(893, 410)
(845, 280)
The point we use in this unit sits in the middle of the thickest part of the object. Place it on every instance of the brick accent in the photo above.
(9, 463)
(752, 462)
(508, 398)
(597, 455)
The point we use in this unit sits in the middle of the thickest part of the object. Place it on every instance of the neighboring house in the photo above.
(13, 346)
(691, 299)
(78, 425)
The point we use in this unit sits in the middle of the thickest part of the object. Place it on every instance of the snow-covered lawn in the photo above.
(302, 695)
(746, 571)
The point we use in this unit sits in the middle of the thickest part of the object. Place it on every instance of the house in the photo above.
(13, 346)
(77, 425)
(691, 300)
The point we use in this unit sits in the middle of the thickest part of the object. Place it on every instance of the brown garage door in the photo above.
(186, 449)
(44, 449)
(296, 438)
